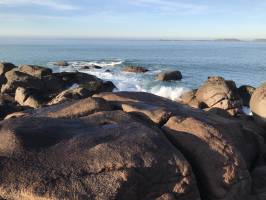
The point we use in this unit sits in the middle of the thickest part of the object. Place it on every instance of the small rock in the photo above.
(62, 63)
(134, 69)
(169, 76)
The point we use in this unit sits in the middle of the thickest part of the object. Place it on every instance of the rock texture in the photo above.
(112, 158)
(169, 76)
(258, 105)
(245, 92)
(216, 92)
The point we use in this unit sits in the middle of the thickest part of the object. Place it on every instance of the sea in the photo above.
(243, 62)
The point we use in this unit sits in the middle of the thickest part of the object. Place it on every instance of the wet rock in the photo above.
(258, 105)
(169, 76)
(35, 70)
(62, 63)
(134, 69)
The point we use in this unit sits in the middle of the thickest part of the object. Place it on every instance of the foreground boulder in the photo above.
(258, 105)
(106, 155)
(169, 76)
(216, 92)
(134, 69)
(220, 150)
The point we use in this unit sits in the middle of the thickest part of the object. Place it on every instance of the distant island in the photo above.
(260, 40)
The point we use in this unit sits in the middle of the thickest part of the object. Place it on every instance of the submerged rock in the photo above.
(169, 76)
(62, 63)
(134, 69)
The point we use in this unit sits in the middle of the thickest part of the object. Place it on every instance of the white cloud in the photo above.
(171, 6)
(47, 3)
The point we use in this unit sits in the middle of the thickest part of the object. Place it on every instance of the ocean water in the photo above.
(243, 62)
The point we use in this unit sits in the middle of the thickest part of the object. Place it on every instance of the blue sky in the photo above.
(164, 19)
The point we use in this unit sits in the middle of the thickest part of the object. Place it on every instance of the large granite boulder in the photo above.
(106, 155)
(35, 70)
(220, 150)
(258, 105)
(17, 79)
(134, 69)
(216, 92)
(169, 76)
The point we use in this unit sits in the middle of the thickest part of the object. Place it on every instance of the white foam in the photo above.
(169, 92)
(247, 110)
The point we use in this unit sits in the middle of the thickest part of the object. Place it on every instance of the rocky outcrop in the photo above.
(35, 70)
(134, 69)
(107, 155)
(216, 92)
(258, 105)
(28, 97)
(169, 76)
(220, 150)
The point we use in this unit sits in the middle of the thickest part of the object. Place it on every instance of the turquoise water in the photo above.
(243, 62)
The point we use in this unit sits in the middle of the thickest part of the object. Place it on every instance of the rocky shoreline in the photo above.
(68, 136)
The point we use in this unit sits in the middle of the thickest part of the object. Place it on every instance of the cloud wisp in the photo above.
(57, 5)
(171, 6)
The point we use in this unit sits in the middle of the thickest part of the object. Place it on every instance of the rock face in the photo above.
(134, 69)
(8, 106)
(169, 76)
(189, 98)
(220, 150)
(216, 92)
(5, 67)
(115, 157)
(28, 97)
(258, 105)
(245, 92)
(34, 70)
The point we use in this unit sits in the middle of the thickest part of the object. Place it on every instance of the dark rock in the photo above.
(245, 92)
(5, 67)
(169, 76)
(134, 69)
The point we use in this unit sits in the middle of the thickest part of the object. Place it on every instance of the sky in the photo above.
(146, 19)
